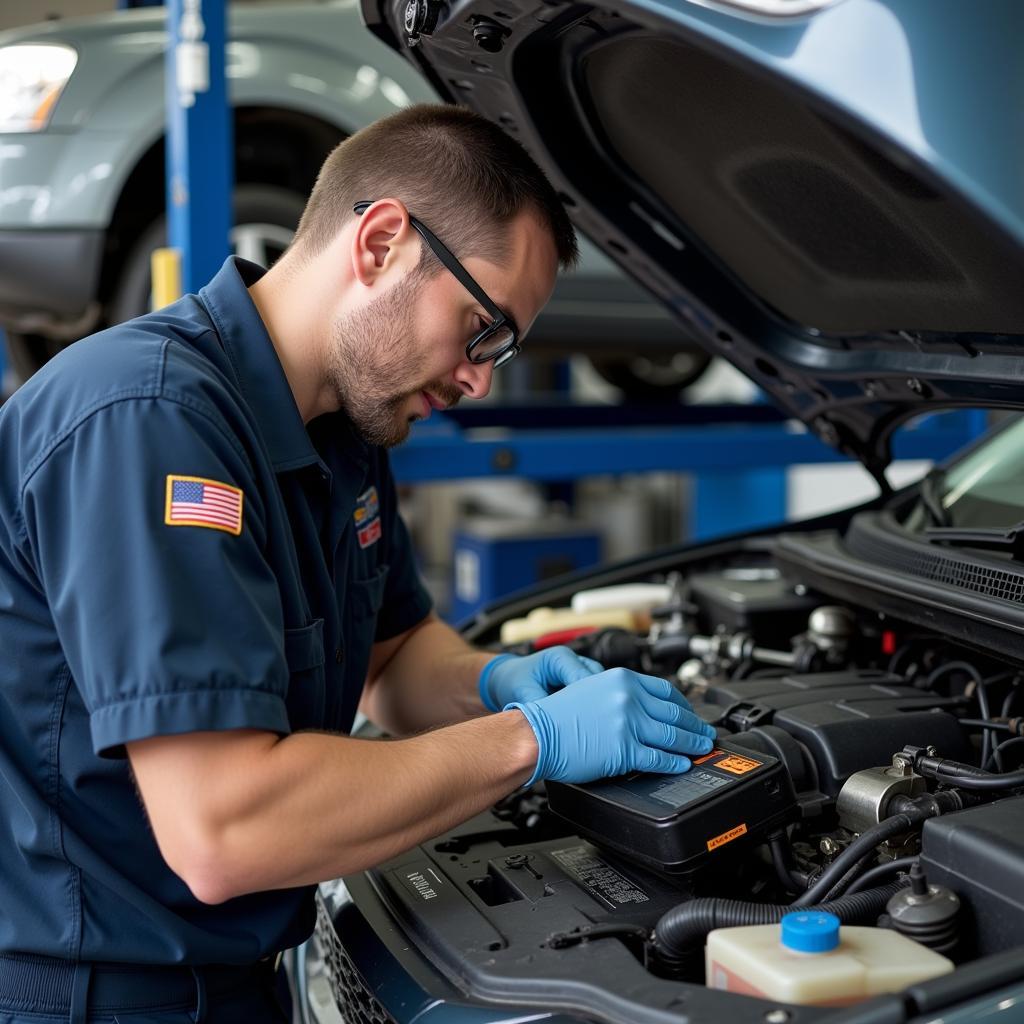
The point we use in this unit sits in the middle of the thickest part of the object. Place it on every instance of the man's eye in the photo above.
(481, 324)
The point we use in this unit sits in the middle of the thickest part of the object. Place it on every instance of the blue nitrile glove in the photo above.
(509, 678)
(619, 722)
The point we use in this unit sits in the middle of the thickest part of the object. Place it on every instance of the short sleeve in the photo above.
(166, 628)
(406, 601)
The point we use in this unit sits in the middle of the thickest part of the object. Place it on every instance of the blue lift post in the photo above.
(200, 148)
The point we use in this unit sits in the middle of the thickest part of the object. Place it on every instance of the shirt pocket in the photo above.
(304, 653)
(367, 594)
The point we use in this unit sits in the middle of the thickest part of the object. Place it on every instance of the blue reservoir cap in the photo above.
(810, 931)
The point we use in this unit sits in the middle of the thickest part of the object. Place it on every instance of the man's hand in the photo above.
(617, 722)
(507, 678)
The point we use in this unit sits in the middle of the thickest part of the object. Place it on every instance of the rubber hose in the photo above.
(1011, 780)
(686, 926)
(872, 875)
(844, 868)
(783, 866)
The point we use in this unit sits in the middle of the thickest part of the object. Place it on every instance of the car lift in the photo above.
(738, 454)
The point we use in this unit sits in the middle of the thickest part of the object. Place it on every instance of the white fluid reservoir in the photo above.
(809, 959)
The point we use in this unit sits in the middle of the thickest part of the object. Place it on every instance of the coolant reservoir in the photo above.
(807, 959)
(547, 620)
(631, 596)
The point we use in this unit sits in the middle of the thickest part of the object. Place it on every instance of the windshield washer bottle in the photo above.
(808, 959)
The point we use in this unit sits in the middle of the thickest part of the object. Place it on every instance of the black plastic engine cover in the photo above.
(846, 721)
(852, 686)
(755, 600)
(979, 854)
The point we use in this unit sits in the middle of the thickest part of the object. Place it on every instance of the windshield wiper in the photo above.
(1009, 539)
(929, 489)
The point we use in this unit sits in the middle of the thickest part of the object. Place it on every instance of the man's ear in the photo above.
(382, 241)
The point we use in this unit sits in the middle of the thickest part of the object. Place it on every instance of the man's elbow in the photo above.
(204, 866)
(210, 887)
(201, 826)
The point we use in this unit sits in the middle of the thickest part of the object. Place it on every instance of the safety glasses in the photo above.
(499, 340)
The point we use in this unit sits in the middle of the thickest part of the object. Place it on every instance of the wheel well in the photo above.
(272, 147)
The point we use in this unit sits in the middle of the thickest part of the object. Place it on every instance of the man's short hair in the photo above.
(457, 172)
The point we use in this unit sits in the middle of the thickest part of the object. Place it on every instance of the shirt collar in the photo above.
(256, 364)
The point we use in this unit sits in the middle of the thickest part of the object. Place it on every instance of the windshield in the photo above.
(984, 489)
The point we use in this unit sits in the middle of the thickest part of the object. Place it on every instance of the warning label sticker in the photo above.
(598, 877)
(717, 752)
(737, 765)
(727, 837)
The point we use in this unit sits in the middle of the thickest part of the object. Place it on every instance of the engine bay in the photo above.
(865, 766)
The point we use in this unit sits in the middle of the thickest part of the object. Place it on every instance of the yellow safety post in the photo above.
(165, 269)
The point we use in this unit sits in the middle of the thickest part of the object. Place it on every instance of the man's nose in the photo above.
(474, 378)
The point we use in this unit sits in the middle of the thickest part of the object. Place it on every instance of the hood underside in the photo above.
(831, 202)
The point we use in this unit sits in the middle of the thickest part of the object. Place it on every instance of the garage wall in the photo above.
(14, 13)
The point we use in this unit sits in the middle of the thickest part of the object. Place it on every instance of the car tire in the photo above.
(653, 376)
(265, 220)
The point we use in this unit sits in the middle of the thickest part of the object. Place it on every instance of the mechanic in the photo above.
(202, 563)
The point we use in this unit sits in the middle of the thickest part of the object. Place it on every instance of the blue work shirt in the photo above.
(178, 552)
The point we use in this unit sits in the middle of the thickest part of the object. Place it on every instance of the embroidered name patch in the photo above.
(196, 501)
(367, 518)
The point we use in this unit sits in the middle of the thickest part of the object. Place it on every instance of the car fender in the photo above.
(298, 59)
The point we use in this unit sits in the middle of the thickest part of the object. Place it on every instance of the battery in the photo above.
(677, 823)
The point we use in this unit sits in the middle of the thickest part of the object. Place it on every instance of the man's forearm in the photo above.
(248, 812)
(430, 680)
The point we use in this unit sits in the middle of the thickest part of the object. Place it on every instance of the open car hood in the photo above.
(828, 194)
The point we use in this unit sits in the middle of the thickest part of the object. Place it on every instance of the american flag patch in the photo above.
(193, 501)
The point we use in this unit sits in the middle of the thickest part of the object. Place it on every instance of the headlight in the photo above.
(32, 77)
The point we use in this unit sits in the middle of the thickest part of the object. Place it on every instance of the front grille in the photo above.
(351, 993)
(866, 540)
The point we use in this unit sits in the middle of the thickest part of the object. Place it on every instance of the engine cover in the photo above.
(842, 721)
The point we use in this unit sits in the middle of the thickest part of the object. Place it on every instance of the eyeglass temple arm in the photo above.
(445, 255)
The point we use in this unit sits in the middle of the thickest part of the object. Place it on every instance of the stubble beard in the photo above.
(375, 365)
